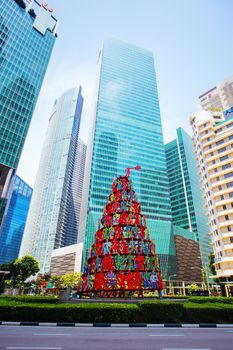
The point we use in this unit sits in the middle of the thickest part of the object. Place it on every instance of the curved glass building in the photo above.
(54, 211)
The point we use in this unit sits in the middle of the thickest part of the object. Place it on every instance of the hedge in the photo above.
(29, 299)
(83, 313)
(202, 300)
(143, 312)
(161, 312)
(208, 313)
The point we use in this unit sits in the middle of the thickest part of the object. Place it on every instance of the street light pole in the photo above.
(169, 281)
(207, 280)
(205, 272)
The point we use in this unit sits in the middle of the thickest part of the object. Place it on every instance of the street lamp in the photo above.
(205, 271)
(207, 280)
(169, 281)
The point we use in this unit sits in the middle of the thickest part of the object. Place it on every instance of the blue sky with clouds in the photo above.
(191, 41)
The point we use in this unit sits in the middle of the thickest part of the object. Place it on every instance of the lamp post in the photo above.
(203, 268)
(169, 281)
(207, 281)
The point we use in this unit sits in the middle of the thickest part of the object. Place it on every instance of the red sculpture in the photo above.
(122, 260)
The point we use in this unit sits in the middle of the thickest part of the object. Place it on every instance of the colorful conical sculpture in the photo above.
(122, 259)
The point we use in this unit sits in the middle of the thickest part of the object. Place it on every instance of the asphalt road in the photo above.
(96, 338)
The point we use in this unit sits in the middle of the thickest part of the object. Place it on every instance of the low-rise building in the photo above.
(67, 259)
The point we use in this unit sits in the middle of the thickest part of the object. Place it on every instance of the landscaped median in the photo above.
(41, 309)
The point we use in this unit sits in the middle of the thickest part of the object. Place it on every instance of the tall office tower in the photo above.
(219, 97)
(26, 45)
(54, 211)
(14, 221)
(69, 216)
(214, 153)
(187, 203)
(127, 131)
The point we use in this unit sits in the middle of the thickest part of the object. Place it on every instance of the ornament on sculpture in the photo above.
(122, 259)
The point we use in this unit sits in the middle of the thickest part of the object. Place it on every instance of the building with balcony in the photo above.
(219, 98)
(213, 138)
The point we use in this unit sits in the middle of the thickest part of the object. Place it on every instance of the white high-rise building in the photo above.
(213, 139)
(219, 97)
(55, 206)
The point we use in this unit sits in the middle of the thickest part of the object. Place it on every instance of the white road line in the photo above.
(55, 334)
(32, 348)
(169, 335)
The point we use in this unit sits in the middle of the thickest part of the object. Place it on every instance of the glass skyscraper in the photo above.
(127, 132)
(187, 203)
(54, 211)
(25, 50)
(14, 221)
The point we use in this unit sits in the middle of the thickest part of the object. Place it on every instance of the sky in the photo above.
(192, 45)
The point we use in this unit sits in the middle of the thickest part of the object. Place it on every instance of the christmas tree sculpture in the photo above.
(122, 259)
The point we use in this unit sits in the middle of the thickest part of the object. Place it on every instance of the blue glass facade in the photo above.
(14, 221)
(127, 132)
(187, 203)
(54, 211)
(24, 56)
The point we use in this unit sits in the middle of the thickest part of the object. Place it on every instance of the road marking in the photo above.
(170, 335)
(32, 348)
(186, 349)
(61, 334)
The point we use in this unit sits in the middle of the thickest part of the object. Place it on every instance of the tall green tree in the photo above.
(25, 267)
(212, 267)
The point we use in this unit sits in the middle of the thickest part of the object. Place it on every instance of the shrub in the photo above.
(29, 299)
(201, 300)
(13, 309)
(84, 313)
(175, 296)
(208, 313)
(161, 312)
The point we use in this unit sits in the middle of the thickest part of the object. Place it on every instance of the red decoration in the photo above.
(122, 259)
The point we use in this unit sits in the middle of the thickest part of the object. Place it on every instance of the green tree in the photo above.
(71, 279)
(192, 288)
(23, 268)
(9, 279)
(212, 267)
(56, 281)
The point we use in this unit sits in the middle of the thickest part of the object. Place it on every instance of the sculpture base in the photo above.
(118, 293)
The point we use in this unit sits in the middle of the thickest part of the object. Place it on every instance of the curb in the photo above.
(115, 325)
